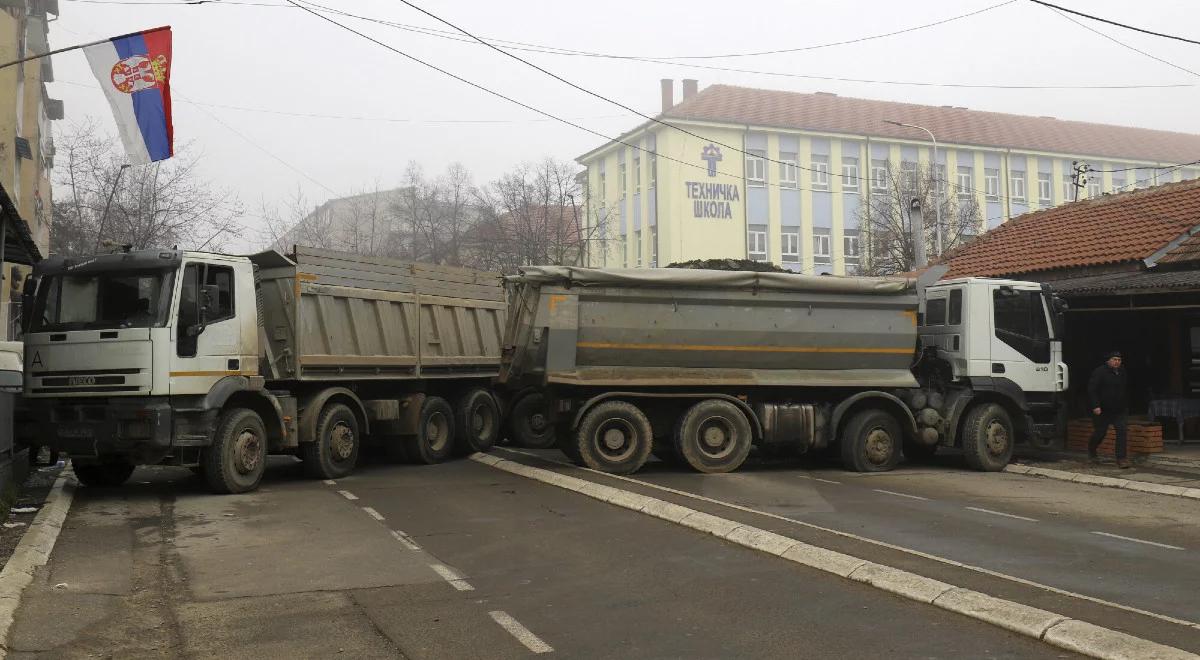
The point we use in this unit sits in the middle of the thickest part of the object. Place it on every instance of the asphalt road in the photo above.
(454, 561)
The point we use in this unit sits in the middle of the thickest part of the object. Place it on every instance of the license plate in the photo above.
(75, 431)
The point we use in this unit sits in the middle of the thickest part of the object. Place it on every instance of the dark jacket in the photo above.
(1107, 389)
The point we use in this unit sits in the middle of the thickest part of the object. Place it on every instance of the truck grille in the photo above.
(86, 381)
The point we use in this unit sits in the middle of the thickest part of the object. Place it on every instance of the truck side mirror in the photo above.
(209, 293)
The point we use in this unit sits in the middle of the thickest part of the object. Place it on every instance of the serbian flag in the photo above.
(135, 72)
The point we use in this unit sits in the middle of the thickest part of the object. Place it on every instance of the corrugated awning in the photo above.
(1129, 283)
(19, 247)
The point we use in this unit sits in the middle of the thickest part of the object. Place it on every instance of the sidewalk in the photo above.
(1176, 473)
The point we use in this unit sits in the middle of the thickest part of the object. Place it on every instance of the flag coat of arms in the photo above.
(135, 72)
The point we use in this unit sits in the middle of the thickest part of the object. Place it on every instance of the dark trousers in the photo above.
(1100, 424)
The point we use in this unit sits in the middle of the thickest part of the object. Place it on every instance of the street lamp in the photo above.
(937, 204)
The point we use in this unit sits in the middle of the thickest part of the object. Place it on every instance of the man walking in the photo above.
(1106, 393)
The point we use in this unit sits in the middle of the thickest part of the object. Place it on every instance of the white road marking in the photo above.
(373, 513)
(892, 492)
(329, 482)
(864, 539)
(825, 481)
(405, 539)
(1130, 538)
(1001, 513)
(514, 627)
(348, 495)
(448, 574)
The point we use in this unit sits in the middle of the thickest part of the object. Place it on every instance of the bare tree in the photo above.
(158, 205)
(886, 225)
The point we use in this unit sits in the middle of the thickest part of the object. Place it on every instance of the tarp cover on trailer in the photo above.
(672, 277)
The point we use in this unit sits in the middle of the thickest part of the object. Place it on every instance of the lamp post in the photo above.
(937, 199)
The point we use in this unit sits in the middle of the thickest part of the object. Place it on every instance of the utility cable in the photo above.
(1125, 45)
(1120, 25)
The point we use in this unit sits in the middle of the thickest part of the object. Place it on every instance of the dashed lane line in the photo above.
(863, 539)
(405, 540)
(1001, 513)
(892, 492)
(1130, 538)
(824, 481)
(373, 513)
(448, 574)
(329, 482)
(348, 495)
(523, 635)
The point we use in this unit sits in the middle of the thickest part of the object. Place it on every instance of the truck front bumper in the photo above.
(138, 427)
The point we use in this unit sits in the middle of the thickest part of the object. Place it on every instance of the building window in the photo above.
(637, 238)
(991, 184)
(939, 180)
(637, 175)
(789, 172)
(820, 172)
(653, 170)
(966, 180)
(849, 174)
(1045, 188)
(756, 167)
(1017, 181)
(624, 246)
(603, 188)
(908, 177)
(850, 246)
(879, 175)
(790, 245)
(654, 247)
(821, 247)
(621, 180)
(1068, 183)
(756, 242)
(1118, 183)
(1094, 185)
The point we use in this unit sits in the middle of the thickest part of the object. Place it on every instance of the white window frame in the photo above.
(654, 247)
(1045, 188)
(966, 181)
(653, 171)
(1118, 184)
(1016, 179)
(603, 187)
(637, 175)
(849, 174)
(1068, 182)
(851, 246)
(822, 245)
(991, 184)
(789, 173)
(909, 175)
(820, 172)
(622, 184)
(756, 168)
(637, 238)
(879, 177)
(789, 243)
(756, 239)
(1095, 186)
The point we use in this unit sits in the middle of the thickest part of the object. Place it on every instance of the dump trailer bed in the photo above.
(619, 327)
(330, 315)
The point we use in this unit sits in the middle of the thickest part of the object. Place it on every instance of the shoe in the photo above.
(1124, 464)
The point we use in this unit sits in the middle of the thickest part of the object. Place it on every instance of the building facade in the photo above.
(783, 177)
(26, 139)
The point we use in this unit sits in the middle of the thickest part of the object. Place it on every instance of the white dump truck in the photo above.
(697, 366)
(213, 361)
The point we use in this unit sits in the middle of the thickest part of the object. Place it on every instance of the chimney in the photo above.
(690, 86)
(668, 93)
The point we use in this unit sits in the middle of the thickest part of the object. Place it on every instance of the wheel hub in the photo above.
(716, 438)
(879, 446)
(997, 438)
(538, 422)
(615, 439)
(341, 443)
(435, 431)
(247, 452)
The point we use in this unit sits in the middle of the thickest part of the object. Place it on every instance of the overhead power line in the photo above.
(1116, 23)
(1125, 45)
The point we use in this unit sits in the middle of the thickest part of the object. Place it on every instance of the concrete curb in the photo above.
(1107, 482)
(33, 551)
(1053, 628)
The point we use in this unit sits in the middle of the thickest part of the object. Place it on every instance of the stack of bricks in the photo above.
(1145, 437)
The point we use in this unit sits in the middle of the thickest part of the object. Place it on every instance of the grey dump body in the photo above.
(625, 328)
(335, 316)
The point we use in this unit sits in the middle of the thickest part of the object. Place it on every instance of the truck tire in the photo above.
(871, 442)
(614, 437)
(103, 474)
(333, 453)
(987, 438)
(478, 422)
(529, 423)
(714, 436)
(434, 440)
(237, 457)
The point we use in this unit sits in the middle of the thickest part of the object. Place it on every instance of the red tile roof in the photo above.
(840, 114)
(1127, 227)
(1187, 250)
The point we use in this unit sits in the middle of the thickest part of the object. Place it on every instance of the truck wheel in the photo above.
(478, 422)
(333, 453)
(714, 436)
(529, 423)
(871, 442)
(988, 438)
(237, 458)
(614, 437)
(104, 474)
(434, 439)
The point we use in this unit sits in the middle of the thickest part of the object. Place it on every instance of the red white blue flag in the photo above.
(135, 72)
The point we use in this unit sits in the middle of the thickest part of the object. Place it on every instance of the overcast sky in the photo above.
(272, 60)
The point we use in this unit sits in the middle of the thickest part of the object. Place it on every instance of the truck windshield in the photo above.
(102, 301)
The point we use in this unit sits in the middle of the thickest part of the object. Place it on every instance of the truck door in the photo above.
(1021, 350)
(207, 332)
